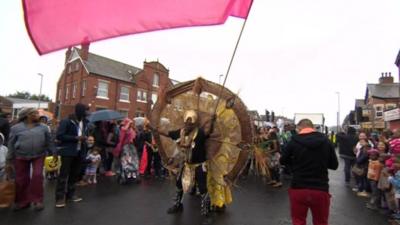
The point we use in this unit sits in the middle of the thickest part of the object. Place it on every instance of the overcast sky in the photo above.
(294, 55)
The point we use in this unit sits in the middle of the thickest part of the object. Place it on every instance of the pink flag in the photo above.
(58, 24)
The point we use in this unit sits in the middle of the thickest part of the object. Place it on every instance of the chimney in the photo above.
(386, 78)
(85, 51)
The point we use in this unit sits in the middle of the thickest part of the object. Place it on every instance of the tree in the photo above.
(27, 95)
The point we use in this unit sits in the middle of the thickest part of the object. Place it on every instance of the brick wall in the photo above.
(143, 81)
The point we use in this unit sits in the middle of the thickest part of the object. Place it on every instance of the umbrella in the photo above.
(105, 115)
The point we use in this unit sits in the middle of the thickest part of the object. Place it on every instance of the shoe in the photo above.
(272, 182)
(38, 206)
(355, 189)
(75, 199)
(371, 206)
(94, 181)
(219, 209)
(81, 183)
(89, 182)
(207, 220)
(175, 209)
(277, 185)
(362, 194)
(19, 208)
(60, 203)
(109, 174)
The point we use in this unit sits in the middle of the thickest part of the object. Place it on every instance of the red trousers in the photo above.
(303, 199)
(29, 189)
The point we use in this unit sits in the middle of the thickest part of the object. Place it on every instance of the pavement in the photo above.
(255, 203)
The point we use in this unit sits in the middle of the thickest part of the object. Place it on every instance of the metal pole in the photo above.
(338, 112)
(40, 92)
(231, 61)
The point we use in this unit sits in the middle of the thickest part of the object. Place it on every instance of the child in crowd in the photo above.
(387, 193)
(382, 147)
(94, 160)
(374, 171)
(395, 181)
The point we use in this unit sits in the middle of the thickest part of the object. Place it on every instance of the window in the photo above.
(390, 106)
(84, 87)
(76, 66)
(74, 87)
(154, 98)
(59, 94)
(378, 111)
(123, 112)
(141, 96)
(124, 94)
(156, 80)
(69, 68)
(67, 92)
(102, 90)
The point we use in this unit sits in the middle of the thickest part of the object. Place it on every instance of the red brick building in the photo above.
(379, 98)
(103, 83)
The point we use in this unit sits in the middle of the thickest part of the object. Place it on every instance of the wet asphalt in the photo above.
(255, 203)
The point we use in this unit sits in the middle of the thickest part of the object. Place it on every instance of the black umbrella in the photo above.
(105, 114)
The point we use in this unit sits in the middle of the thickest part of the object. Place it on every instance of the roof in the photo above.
(254, 114)
(360, 103)
(110, 68)
(22, 101)
(383, 90)
(174, 82)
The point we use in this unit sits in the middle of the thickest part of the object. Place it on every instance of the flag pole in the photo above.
(232, 58)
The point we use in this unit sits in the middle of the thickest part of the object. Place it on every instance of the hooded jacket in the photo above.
(347, 143)
(67, 136)
(310, 156)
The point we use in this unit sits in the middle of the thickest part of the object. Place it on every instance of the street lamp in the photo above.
(338, 112)
(40, 92)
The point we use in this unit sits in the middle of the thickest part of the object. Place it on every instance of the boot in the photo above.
(178, 206)
(205, 205)
(206, 210)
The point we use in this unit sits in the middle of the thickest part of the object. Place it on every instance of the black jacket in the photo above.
(347, 142)
(310, 156)
(67, 134)
(5, 129)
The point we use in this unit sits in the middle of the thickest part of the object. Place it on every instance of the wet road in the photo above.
(146, 203)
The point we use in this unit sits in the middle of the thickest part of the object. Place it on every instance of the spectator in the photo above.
(273, 149)
(362, 163)
(347, 142)
(72, 135)
(94, 160)
(153, 157)
(112, 141)
(89, 146)
(3, 155)
(374, 171)
(310, 155)
(29, 140)
(5, 125)
(100, 137)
